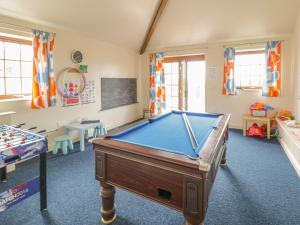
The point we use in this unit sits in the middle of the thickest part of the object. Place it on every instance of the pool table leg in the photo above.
(187, 223)
(223, 160)
(108, 209)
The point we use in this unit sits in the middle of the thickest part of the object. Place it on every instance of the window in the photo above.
(15, 66)
(250, 68)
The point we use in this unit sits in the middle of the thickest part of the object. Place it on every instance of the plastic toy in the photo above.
(255, 130)
(260, 109)
(284, 115)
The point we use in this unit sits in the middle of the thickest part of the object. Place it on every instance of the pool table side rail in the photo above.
(210, 148)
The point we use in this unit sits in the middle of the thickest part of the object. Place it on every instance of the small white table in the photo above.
(83, 130)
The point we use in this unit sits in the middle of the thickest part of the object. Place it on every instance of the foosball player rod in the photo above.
(41, 131)
(32, 128)
(19, 125)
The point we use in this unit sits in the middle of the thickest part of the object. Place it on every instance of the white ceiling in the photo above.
(121, 22)
(200, 21)
(125, 22)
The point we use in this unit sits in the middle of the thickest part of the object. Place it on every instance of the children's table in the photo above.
(248, 117)
(83, 130)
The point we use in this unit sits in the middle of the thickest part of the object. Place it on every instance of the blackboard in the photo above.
(117, 92)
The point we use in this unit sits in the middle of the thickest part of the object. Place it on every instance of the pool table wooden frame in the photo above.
(171, 179)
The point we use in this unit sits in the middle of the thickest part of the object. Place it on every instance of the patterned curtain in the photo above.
(43, 82)
(157, 83)
(272, 80)
(229, 87)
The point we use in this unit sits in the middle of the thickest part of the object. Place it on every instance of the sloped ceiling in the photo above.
(120, 22)
(184, 22)
(200, 21)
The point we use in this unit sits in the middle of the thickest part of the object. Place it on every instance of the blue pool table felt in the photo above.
(168, 132)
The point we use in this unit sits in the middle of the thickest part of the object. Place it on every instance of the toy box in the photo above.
(259, 112)
(260, 109)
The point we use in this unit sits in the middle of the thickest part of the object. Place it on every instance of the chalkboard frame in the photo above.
(112, 106)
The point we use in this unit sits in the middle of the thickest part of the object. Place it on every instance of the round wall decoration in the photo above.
(61, 84)
(76, 56)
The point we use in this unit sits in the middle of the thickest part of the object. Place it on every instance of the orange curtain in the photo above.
(229, 87)
(157, 83)
(43, 82)
(272, 80)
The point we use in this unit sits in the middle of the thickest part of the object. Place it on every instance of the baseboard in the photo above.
(235, 126)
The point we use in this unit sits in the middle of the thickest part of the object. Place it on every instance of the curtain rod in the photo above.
(250, 43)
(29, 29)
(180, 50)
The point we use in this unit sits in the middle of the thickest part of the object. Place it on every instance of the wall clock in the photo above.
(76, 56)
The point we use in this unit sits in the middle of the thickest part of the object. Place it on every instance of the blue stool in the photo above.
(63, 142)
(99, 131)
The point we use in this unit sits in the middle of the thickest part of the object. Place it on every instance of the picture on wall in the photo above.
(88, 95)
(71, 91)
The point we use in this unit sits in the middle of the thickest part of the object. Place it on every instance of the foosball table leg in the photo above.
(43, 182)
(3, 174)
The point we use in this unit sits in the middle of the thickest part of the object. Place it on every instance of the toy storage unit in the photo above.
(251, 118)
(259, 113)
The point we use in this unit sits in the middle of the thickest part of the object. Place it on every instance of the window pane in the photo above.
(2, 91)
(13, 86)
(1, 50)
(12, 68)
(26, 69)
(175, 78)
(168, 90)
(168, 101)
(175, 67)
(250, 69)
(26, 52)
(26, 85)
(168, 79)
(12, 51)
(174, 90)
(174, 102)
(167, 68)
(1, 68)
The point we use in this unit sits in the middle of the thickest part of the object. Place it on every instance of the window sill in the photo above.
(249, 89)
(14, 98)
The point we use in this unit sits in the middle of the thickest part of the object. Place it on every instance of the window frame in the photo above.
(250, 52)
(20, 41)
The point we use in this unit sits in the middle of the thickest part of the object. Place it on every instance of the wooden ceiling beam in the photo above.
(160, 8)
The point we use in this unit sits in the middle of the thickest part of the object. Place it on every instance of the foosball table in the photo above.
(17, 145)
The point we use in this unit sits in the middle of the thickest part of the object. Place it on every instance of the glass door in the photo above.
(196, 86)
(171, 70)
(185, 83)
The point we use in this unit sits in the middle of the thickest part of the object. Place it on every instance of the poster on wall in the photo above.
(88, 95)
(71, 90)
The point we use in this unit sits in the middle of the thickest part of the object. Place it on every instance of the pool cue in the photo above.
(189, 132)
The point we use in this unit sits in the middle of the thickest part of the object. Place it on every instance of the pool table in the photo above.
(154, 158)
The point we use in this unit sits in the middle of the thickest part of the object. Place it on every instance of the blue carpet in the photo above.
(259, 186)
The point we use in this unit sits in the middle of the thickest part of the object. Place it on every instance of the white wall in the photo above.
(296, 67)
(214, 100)
(103, 60)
